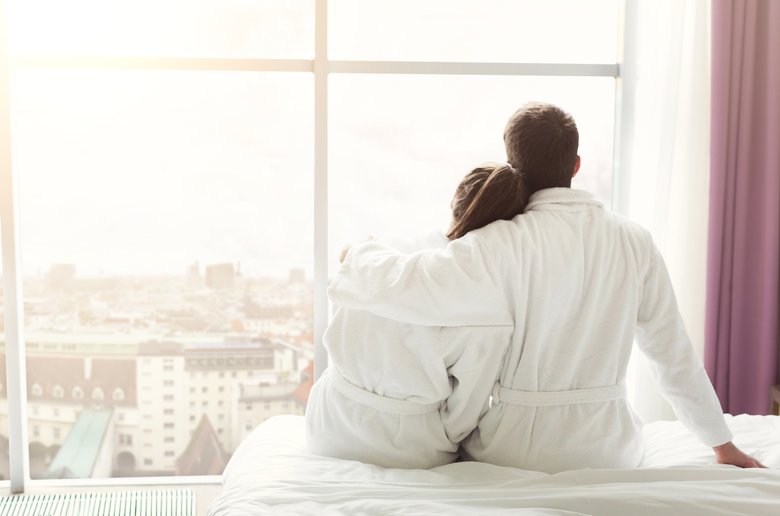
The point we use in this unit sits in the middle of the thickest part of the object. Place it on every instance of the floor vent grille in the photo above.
(173, 502)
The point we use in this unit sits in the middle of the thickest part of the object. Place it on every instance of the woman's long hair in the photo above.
(488, 193)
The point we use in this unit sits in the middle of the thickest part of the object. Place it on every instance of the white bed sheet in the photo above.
(271, 473)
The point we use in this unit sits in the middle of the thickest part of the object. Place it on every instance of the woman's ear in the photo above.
(576, 166)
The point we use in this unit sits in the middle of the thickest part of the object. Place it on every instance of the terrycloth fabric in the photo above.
(578, 283)
(400, 395)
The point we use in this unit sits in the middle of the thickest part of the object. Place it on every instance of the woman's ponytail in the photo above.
(487, 193)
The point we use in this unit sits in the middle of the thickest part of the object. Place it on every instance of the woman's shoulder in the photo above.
(414, 243)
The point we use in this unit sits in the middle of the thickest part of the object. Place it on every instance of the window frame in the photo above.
(321, 67)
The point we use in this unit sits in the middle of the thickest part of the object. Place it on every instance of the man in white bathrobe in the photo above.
(578, 283)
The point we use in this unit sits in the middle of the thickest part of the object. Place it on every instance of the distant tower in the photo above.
(297, 275)
(60, 276)
(193, 274)
(220, 275)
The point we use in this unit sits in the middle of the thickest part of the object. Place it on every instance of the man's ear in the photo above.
(576, 166)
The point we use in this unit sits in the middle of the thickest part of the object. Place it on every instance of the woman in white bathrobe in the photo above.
(402, 395)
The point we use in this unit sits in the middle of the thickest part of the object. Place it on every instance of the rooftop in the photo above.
(79, 452)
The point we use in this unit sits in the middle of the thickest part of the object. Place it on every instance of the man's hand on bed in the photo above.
(730, 454)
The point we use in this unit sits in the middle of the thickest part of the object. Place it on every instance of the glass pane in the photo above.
(163, 28)
(167, 254)
(537, 31)
(399, 145)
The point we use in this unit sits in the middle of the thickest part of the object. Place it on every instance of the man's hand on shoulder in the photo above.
(343, 253)
(346, 248)
(729, 454)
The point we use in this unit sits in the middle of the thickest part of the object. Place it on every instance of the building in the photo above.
(86, 452)
(180, 383)
(220, 276)
(61, 276)
(256, 403)
(297, 275)
(157, 394)
(204, 454)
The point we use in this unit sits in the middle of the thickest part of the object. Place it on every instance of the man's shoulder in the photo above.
(631, 232)
(624, 222)
(530, 226)
(597, 220)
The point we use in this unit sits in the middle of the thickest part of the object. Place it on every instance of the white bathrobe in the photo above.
(401, 395)
(578, 283)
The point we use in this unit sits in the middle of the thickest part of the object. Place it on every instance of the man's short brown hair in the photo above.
(541, 141)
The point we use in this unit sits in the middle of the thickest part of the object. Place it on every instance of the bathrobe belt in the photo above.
(381, 403)
(551, 398)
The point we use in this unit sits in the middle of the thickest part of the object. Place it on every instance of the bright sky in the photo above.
(144, 172)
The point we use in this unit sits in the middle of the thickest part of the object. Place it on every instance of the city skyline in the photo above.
(166, 369)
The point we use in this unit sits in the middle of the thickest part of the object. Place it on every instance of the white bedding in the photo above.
(271, 473)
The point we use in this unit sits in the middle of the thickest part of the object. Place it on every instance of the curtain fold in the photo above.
(741, 336)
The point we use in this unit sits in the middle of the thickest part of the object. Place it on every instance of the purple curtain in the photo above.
(741, 336)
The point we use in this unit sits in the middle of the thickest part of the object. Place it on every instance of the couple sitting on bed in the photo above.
(507, 340)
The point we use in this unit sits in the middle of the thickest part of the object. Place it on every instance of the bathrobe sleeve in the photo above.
(473, 374)
(679, 372)
(460, 285)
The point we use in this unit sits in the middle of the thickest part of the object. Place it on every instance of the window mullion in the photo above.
(12, 283)
(304, 65)
(163, 63)
(471, 68)
(320, 184)
(625, 107)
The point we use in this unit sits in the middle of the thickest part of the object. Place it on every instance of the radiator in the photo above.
(171, 502)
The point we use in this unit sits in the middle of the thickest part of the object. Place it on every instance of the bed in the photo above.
(271, 473)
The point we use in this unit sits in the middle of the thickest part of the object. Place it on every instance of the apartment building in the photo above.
(157, 390)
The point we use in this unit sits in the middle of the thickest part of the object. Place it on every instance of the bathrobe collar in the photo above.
(567, 199)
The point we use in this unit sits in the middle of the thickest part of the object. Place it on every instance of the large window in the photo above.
(186, 171)
(167, 255)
